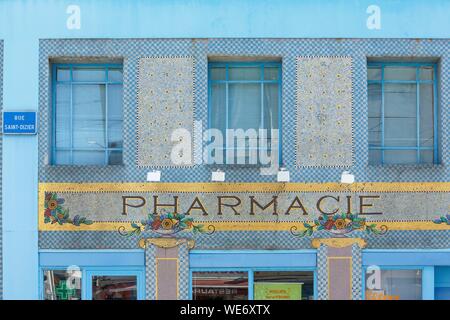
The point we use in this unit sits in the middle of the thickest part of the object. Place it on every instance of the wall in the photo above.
(23, 23)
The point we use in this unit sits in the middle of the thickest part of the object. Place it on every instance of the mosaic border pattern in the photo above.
(243, 240)
(357, 273)
(322, 273)
(150, 278)
(183, 285)
(288, 49)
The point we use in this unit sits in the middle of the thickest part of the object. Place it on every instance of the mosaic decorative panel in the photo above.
(113, 205)
(165, 105)
(131, 50)
(324, 111)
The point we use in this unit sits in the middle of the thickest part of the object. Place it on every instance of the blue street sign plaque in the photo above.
(19, 122)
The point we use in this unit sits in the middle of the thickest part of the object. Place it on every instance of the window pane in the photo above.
(218, 73)
(271, 73)
(375, 157)
(62, 285)
(88, 157)
(400, 156)
(400, 100)
(63, 74)
(115, 157)
(89, 116)
(400, 111)
(89, 74)
(114, 288)
(62, 121)
(395, 285)
(400, 132)
(374, 96)
(399, 73)
(219, 285)
(271, 106)
(427, 156)
(426, 73)
(218, 107)
(374, 73)
(115, 116)
(426, 115)
(244, 73)
(374, 102)
(244, 105)
(375, 132)
(284, 285)
(115, 75)
(62, 158)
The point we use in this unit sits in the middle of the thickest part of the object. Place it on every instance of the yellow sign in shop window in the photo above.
(278, 291)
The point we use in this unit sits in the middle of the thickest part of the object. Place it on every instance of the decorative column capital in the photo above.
(338, 242)
(165, 243)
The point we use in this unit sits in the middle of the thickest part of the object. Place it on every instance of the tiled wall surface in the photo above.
(288, 50)
(1, 167)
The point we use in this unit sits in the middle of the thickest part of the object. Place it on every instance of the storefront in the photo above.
(334, 184)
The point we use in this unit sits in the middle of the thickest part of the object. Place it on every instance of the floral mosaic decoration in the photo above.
(166, 224)
(443, 220)
(56, 213)
(339, 224)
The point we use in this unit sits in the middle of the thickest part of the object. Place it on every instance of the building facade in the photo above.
(137, 187)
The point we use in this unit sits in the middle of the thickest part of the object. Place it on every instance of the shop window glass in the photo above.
(114, 288)
(402, 113)
(283, 285)
(245, 96)
(62, 285)
(88, 115)
(394, 285)
(219, 285)
(442, 283)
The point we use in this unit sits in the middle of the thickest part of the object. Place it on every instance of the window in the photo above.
(117, 287)
(87, 114)
(244, 95)
(253, 285)
(220, 285)
(93, 283)
(62, 285)
(402, 113)
(393, 284)
(442, 283)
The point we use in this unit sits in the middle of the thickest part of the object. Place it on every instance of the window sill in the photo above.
(81, 166)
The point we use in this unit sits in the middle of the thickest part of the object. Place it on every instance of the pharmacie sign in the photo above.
(165, 206)
(251, 205)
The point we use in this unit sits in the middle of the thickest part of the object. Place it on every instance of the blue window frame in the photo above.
(245, 95)
(119, 266)
(87, 114)
(402, 113)
(427, 261)
(246, 265)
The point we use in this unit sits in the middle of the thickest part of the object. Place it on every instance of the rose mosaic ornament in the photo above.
(56, 213)
(339, 225)
(166, 224)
